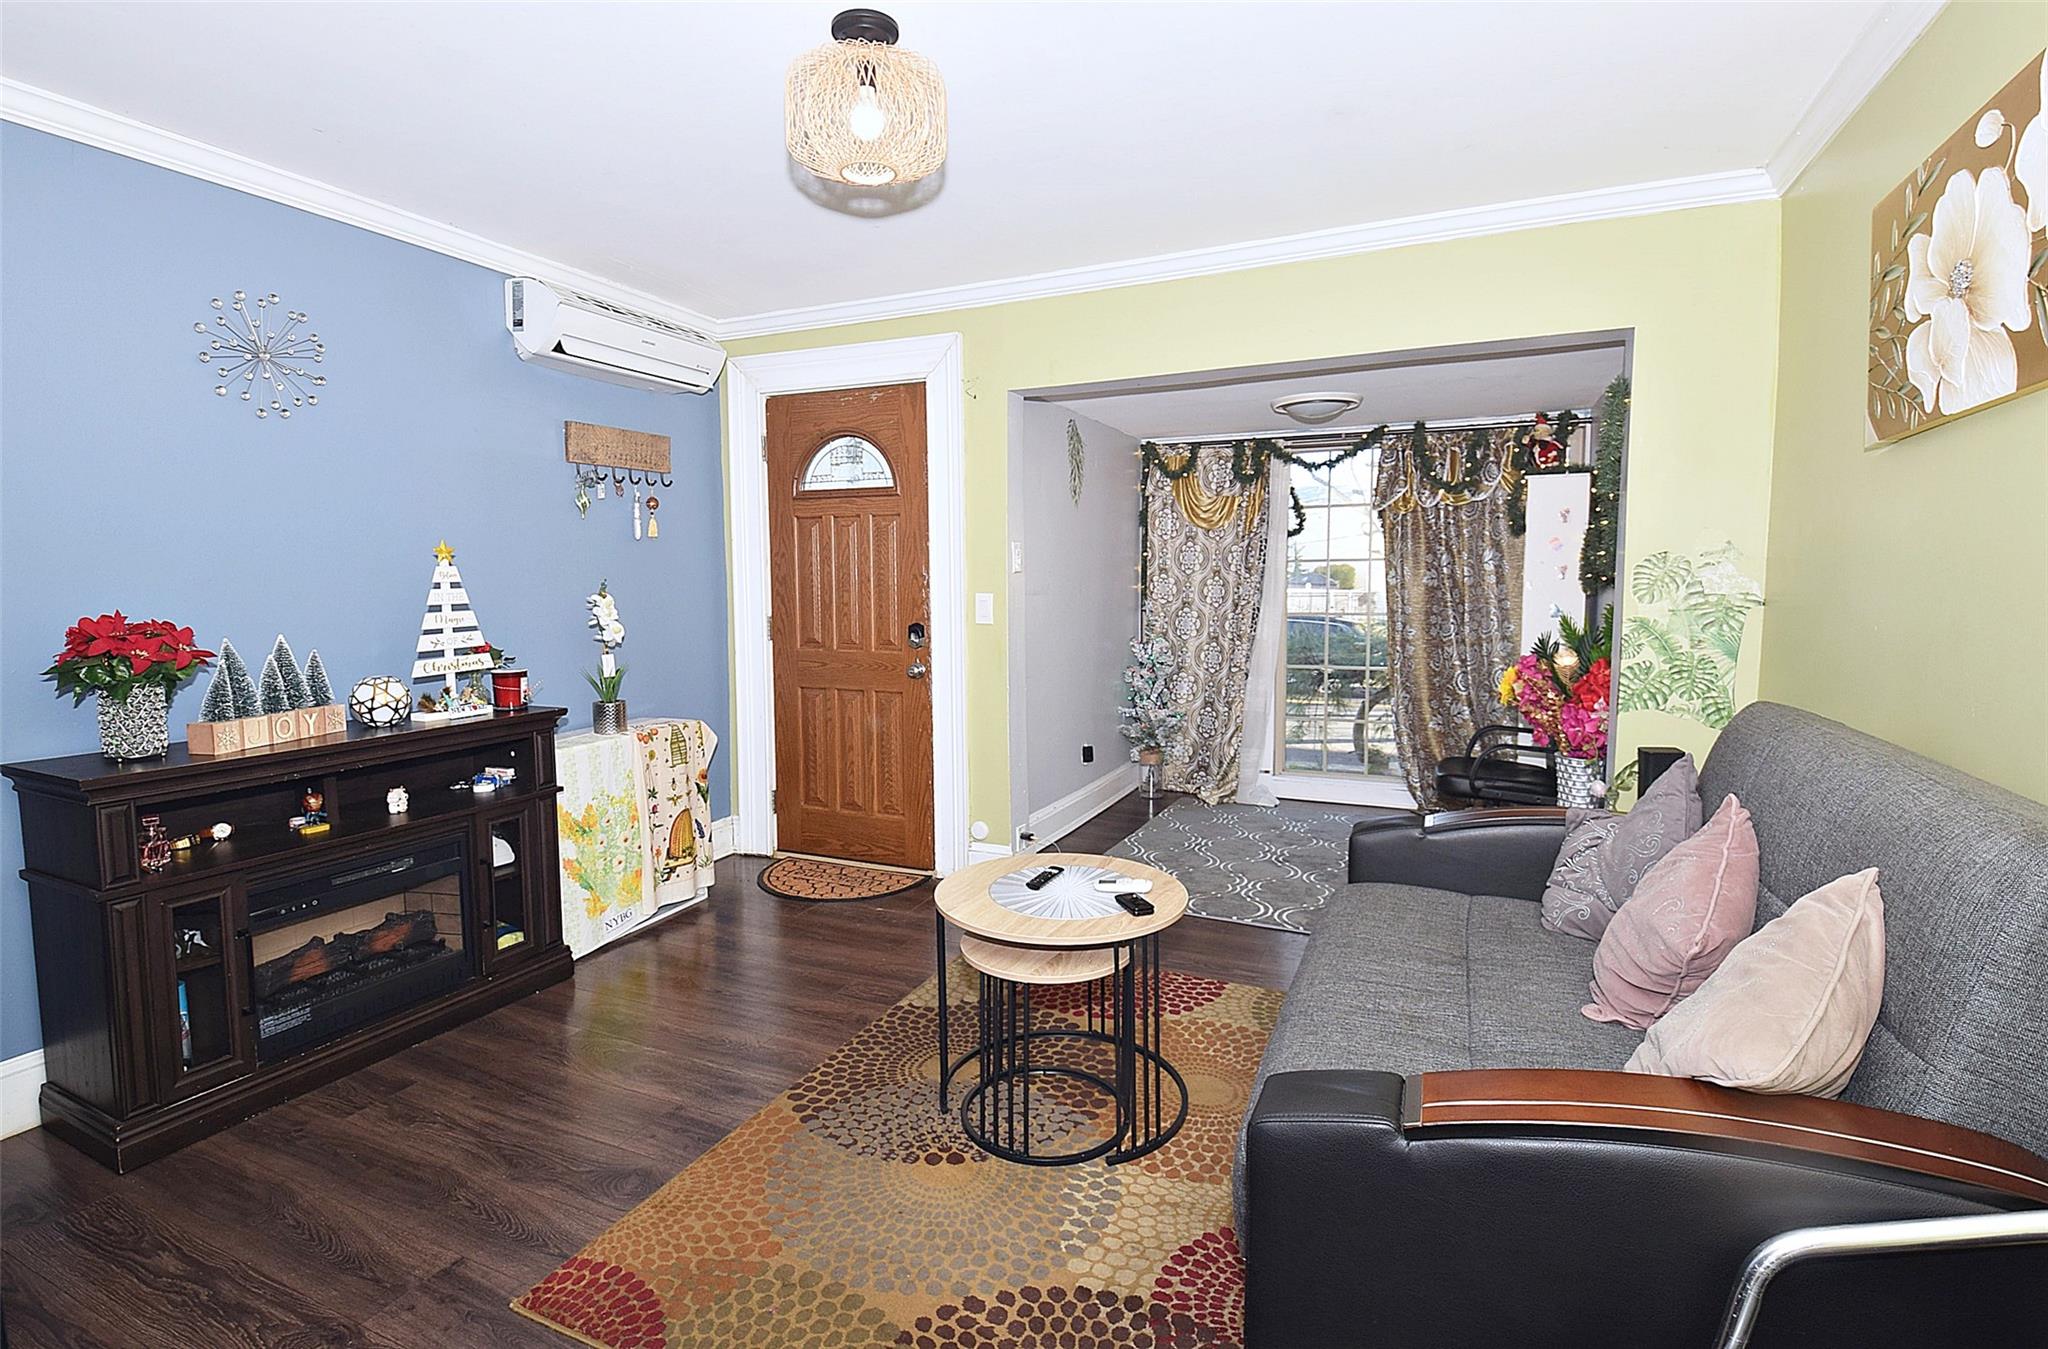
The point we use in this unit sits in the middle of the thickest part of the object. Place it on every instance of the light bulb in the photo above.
(867, 120)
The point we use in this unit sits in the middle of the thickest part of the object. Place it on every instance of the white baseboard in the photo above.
(1341, 791)
(1078, 807)
(21, 1081)
(982, 852)
(725, 834)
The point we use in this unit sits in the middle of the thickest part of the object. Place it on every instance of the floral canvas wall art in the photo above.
(1959, 270)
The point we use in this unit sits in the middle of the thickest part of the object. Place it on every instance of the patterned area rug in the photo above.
(1250, 864)
(851, 1214)
(811, 878)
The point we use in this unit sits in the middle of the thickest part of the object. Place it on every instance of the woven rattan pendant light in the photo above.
(862, 110)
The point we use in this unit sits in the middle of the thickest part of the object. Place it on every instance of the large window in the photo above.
(1338, 716)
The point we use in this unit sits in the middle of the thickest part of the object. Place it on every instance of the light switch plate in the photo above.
(984, 607)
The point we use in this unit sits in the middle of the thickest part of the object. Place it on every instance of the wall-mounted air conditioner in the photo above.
(588, 336)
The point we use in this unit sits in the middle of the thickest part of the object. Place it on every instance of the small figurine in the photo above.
(397, 801)
(190, 941)
(156, 845)
(311, 802)
(1545, 450)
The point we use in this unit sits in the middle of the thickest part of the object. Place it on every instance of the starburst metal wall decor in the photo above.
(261, 364)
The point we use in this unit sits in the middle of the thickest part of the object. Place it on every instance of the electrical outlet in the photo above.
(1087, 754)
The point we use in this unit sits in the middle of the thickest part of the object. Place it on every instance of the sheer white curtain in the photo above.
(1262, 690)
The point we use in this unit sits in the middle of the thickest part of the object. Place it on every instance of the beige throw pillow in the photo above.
(1788, 1012)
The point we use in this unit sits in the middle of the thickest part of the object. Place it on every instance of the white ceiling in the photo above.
(1397, 390)
(642, 144)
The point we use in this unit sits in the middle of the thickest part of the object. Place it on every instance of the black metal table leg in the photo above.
(945, 1069)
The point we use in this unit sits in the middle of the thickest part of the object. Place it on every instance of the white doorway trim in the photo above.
(750, 381)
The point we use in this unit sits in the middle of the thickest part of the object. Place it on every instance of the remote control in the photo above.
(1043, 878)
(1122, 885)
(1135, 905)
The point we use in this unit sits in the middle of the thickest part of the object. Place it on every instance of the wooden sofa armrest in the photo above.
(1677, 1107)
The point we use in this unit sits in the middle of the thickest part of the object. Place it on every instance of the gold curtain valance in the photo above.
(1205, 509)
(1453, 468)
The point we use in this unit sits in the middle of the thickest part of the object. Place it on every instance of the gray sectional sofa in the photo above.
(1437, 1150)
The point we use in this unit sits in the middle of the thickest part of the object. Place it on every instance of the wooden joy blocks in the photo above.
(303, 725)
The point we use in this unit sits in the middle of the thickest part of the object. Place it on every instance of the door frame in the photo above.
(750, 381)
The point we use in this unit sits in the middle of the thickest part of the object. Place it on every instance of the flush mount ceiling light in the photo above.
(1313, 409)
(862, 110)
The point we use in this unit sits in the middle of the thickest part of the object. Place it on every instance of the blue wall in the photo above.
(125, 483)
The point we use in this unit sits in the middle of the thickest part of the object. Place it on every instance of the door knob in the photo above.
(917, 669)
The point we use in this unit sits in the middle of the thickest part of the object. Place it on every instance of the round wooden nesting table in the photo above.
(1020, 941)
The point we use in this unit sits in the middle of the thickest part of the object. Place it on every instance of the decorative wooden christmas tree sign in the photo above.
(451, 644)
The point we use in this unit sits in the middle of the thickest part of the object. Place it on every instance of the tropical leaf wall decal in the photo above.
(1680, 647)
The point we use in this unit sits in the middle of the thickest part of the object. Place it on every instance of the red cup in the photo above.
(508, 689)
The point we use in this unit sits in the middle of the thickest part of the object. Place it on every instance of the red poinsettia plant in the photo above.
(111, 655)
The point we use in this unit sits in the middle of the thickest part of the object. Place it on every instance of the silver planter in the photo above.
(1575, 779)
(138, 726)
(608, 718)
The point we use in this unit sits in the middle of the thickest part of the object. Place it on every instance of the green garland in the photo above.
(1603, 527)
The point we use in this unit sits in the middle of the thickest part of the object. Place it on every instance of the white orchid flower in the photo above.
(2030, 163)
(614, 633)
(1968, 280)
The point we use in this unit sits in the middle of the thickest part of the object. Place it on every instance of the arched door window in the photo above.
(847, 463)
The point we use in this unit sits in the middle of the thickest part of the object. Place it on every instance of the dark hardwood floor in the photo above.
(406, 1204)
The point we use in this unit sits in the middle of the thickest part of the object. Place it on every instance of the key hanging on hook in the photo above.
(597, 475)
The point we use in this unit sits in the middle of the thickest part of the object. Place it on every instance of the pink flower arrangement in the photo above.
(1573, 716)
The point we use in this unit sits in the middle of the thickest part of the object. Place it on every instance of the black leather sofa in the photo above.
(1440, 1151)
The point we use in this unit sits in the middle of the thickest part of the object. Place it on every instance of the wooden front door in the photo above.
(851, 624)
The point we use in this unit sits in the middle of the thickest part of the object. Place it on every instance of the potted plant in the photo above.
(133, 669)
(1149, 717)
(1564, 690)
(608, 713)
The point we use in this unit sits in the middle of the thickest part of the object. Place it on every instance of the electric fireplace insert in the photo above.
(337, 950)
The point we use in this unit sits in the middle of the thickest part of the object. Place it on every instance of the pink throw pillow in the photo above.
(1684, 918)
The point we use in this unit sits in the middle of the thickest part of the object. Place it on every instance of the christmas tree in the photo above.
(318, 691)
(242, 694)
(288, 670)
(450, 643)
(270, 690)
(219, 703)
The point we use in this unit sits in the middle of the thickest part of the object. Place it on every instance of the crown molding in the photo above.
(1674, 194)
(1890, 34)
(67, 117)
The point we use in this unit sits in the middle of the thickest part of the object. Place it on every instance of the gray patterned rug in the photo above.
(1249, 864)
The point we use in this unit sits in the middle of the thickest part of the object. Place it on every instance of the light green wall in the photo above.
(1700, 289)
(1909, 587)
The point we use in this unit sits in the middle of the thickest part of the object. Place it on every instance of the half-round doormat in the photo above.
(810, 878)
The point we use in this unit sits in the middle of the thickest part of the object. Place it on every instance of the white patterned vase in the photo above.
(1575, 780)
(137, 726)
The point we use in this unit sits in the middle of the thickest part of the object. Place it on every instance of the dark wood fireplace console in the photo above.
(166, 1017)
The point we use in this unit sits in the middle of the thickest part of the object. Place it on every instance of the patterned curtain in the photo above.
(1454, 590)
(1205, 544)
